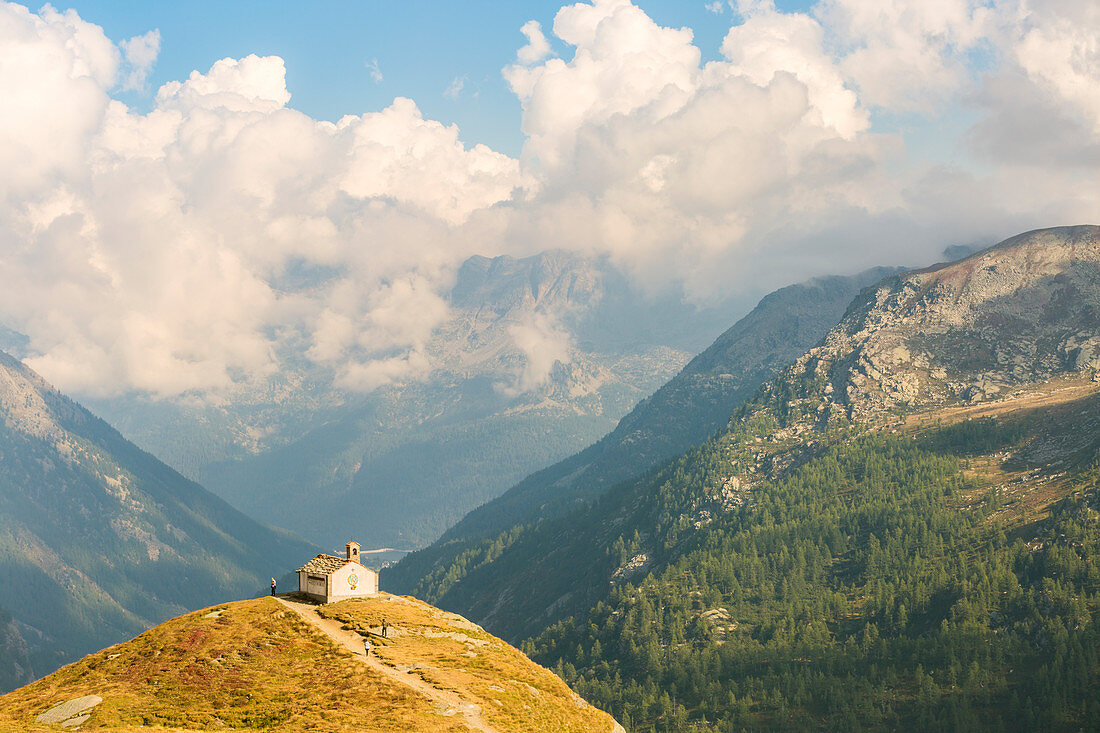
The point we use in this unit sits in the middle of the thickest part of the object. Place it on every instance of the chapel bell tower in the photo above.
(353, 551)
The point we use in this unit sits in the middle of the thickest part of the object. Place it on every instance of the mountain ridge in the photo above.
(1023, 310)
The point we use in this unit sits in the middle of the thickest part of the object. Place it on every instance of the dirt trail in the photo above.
(354, 643)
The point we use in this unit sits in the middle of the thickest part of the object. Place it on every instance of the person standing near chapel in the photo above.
(273, 586)
(384, 627)
(366, 647)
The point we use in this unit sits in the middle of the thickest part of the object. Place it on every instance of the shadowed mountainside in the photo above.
(99, 540)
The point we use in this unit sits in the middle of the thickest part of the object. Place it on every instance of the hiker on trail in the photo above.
(384, 627)
(366, 647)
(273, 586)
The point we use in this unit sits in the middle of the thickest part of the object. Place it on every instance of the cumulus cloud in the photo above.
(140, 53)
(151, 251)
(624, 64)
(542, 342)
(375, 71)
(1058, 47)
(905, 55)
(54, 78)
(454, 89)
(222, 234)
(765, 165)
(398, 154)
(537, 47)
(673, 166)
(769, 42)
(239, 85)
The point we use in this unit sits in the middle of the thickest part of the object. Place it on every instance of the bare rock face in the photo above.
(1021, 311)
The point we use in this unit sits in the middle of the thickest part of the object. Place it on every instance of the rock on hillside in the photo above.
(99, 540)
(259, 664)
(1018, 312)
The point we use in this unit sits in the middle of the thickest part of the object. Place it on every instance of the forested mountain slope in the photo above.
(688, 409)
(15, 666)
(929, 580)
(99, 540)
(899, 531)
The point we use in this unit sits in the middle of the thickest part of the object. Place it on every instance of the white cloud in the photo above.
(537, 47)
(397, 154)
(770, 42)
(717, 7)
(906, 55)
(624, 64)
(1058, 47)
(672, 166)
(750, 169)
(140, 53)
(386, 344)
(374, 71)
(253, 83)
(148, 251)
(542, 342)
(454, 89)
(54, 78)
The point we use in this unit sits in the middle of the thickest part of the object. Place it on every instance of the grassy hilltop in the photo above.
(257, 665)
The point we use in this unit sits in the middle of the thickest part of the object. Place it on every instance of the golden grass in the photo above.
(256, 666)
(1057, 391)
(1025, 494)
(450, 653)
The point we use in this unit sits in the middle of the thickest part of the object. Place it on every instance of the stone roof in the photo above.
(323, 565)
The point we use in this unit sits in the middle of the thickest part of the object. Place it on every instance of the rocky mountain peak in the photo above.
(505, 283)
(1018, 312)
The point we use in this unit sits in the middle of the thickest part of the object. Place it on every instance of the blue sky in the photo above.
(421, 47)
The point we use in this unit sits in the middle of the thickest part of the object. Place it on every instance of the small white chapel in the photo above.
(327, 578)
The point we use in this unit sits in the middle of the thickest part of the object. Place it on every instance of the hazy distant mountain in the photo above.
(689, 408)
(99, 540)
(400, 465)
